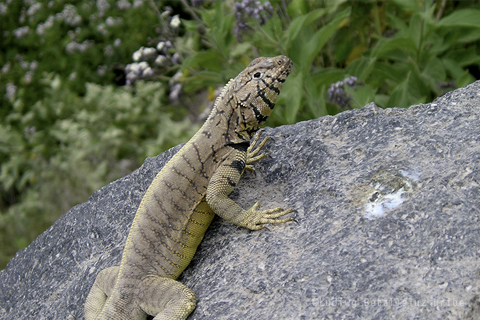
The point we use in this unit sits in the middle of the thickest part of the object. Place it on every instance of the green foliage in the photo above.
(406, 54)
(71, 146)
(66, 130)
(78, 41)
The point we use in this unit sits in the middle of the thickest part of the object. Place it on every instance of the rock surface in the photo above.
(388, 226)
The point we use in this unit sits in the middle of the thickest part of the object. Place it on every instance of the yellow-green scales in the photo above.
(183, 198)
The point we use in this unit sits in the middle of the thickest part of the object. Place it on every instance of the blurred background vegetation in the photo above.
(89, 88)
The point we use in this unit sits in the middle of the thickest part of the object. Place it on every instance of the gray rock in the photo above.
(388, 226)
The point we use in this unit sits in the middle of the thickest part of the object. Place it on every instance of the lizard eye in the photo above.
(257, 75)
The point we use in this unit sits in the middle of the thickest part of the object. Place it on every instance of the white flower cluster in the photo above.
(29, 68)
(109, 22)
(6, 67)
(137, 3)
(123, 4)
(102, 6)
(21, 32)
(108, 51)
(69, 15)
(33, 9)
(73, 34)
(138, 70)
(117, 42)
(74, 46)
(11, 91)
(101, 70)
(3, 9)
(148, 61)
(145, 55)
(175, 86)
(45, 25)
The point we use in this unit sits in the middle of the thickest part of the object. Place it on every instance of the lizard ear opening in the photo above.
(258, 75)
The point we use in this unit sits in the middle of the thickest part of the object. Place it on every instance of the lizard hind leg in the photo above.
(102, 288)
(167, 299)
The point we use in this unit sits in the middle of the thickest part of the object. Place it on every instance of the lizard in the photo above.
(183, 198)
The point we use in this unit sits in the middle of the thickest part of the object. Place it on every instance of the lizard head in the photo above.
(256, 90)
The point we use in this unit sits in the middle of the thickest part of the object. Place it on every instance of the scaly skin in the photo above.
(183, 198)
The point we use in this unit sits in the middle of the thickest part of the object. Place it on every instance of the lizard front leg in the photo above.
(222, 184)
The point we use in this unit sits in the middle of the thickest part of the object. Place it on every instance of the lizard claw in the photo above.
(255, 219)
(253, 149)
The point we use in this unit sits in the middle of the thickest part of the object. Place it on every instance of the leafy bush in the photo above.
(88, 141)
(79, 41)
(55, 130)
(399, 52)
(66, 130)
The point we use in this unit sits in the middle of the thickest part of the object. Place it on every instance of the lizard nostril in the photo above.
(279, 62)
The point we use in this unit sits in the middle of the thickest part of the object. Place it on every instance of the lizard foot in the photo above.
(253, 150)
(257, 219)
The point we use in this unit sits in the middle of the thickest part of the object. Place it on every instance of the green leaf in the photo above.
(267, 37)
(297, 7)
(300, 22)
(315, 97)
(453, 67)
(434, 72)
(190, 25)
(460, 76)
(291, 96)
(332, 5)
(416, 29)
(398, 24)
(465, 56)
(468, 35)
(208, 16)
(204, 60)
(410, 91)
(465, 79)
(414, 6)
(384, 71)
(399, 96)
(437, 44)
(381, 100)
(361, 68)
(315, 44)
(461, 18)
(327, 76)
(202, 79)
(386, 45)
(361, 95)
(222, 27)
(240, 49)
